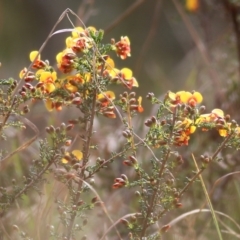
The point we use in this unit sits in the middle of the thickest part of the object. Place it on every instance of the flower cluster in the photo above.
(180, 107)
(123, 48)
(182, 110)
(78, 79)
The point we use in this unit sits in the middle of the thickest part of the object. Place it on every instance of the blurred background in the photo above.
(174, 47)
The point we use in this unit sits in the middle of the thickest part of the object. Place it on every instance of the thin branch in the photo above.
(23, 146)
(151, 34)
(129, 11)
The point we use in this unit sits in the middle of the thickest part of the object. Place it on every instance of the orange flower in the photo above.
(73, 80)
(50, 105)
(80, 40)
(38, 63)
(105, 98)
(174, 98)
(183, 130)
(140, 108)
(28, 76)
(108, 67)
(124, 76)
(104, 101)
(65, 60)
(78, 155)
(78, 44)
(48, 78)
(210, 117)
(192, 5)
(182, 138)
(123, 48)
(77, 31)
(191, 99)
(216, 117)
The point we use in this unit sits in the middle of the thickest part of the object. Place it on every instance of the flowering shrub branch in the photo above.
(82, 80)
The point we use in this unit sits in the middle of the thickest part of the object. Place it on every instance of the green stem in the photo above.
(85, 159)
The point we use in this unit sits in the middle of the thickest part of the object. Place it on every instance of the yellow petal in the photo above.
(108, 94)
(92, 29)
(49, 105)
(78, 154)
(192, 5)
(126, 39)
(22, 73)
(192, 129)
(172, 95)
(69, 42)
(198, 97)
(218, 112)
(59, 57)
(77, 31)
(223, 132)
(184, 96)
(113, 72)
(127, 73)
(110, 63)
(50, 87)
(33, 55)
(135, 82)
(64, 160)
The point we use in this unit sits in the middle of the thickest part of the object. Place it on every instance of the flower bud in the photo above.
(132, 94)
(178, 205)
(202, 109)
(40, 84)
(128, 163)
(69, 127)
(68, 142)
(28, 85)
(125, 222)
(124, 100)
(26, 109)
(63, 126)
(150, 96)
(133, 159)
(124, 177)
(77, 101)
(132, 100)
(109, 114)
(165, 228)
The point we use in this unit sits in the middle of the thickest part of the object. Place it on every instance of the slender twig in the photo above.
(233, 11)
(8, 113)
(163, 164)
(202, 169)
(134, 6)
(86, 148)
(150, 37)
(101, 202)
(23, 146)
(117, 222)
(39, 175)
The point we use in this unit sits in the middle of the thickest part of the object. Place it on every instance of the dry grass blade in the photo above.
(209, 201)
(222, 178)
(77, 179)
(117, 222)
(196, 211)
